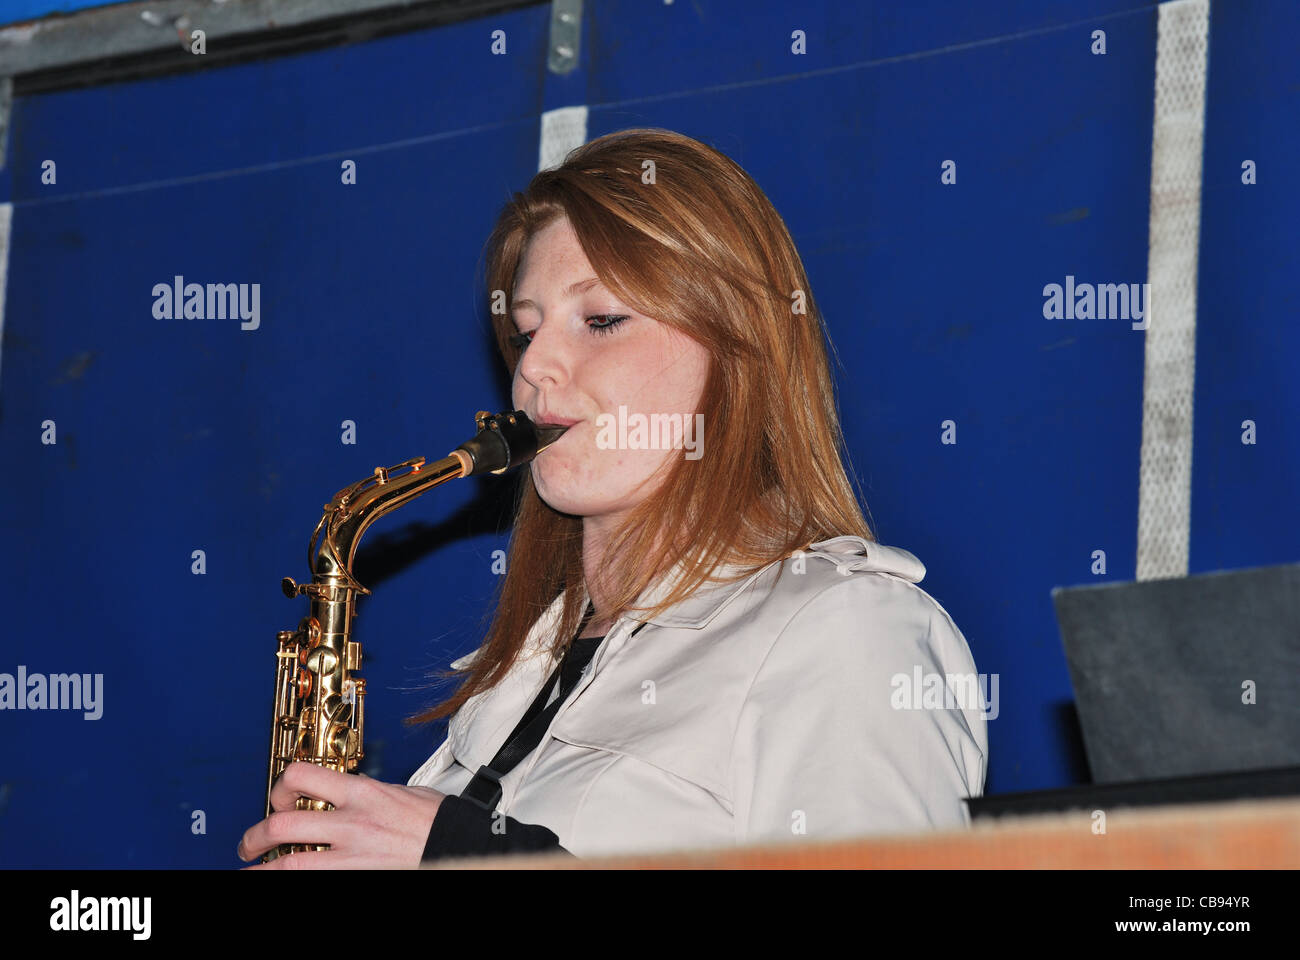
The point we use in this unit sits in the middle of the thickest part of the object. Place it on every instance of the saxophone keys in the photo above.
(339, 742)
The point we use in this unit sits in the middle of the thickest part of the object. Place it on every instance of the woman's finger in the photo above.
(303, 779)
(290, 826)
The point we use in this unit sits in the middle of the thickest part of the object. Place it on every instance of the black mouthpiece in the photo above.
(506, 441)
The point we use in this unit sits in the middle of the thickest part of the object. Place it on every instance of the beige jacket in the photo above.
(752, 712)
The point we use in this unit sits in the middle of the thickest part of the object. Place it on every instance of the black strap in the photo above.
(484, 790)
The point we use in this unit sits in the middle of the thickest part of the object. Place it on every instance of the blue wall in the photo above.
(13, 11)
(182, 435)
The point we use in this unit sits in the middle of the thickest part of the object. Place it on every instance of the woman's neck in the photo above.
(595, 568)
(598, 566)
(595, 629)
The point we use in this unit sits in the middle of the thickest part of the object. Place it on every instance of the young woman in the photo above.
(699, 642)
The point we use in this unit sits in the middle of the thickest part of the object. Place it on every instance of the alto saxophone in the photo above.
(319, 714)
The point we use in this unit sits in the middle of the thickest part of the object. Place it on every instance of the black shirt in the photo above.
(463, 829)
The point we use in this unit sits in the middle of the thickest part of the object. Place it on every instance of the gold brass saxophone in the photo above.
(319, 714)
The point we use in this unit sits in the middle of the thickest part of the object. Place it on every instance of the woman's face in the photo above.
(587, 355)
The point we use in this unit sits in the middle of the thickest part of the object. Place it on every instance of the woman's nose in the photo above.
(543, 360)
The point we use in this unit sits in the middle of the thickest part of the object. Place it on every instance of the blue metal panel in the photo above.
(177, 435)
(1245, 511)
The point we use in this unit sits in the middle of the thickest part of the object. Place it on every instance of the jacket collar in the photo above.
(846, 552)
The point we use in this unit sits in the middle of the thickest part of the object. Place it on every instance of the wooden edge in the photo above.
(1241, 834)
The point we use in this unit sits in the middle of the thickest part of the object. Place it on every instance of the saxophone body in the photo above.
(318, 713)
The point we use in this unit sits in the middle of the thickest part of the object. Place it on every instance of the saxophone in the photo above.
(318, 713)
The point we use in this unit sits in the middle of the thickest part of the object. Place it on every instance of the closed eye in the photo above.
(606, 322)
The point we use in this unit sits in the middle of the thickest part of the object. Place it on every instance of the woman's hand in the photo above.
(373, 824)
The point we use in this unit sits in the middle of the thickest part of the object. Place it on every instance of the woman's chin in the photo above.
(555, 486)
(563, 495)
(570, 506)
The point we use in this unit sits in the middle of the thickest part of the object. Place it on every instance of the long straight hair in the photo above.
(680, 233)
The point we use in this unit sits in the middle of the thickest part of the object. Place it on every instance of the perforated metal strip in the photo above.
(1165, 475)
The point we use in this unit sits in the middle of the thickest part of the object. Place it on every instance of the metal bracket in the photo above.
(566, 36)
(148, 38)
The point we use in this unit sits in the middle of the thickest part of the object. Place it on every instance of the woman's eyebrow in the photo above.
(572, 290)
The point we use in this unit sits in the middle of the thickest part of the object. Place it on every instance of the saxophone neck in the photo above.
(504, 441)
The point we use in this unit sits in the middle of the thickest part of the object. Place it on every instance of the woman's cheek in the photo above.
(518, 391)
(580, 476)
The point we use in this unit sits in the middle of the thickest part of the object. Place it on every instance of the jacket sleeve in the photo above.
(828, 744)
(462, 829)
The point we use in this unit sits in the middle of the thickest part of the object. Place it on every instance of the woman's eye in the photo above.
(597, 323)
(607, 322)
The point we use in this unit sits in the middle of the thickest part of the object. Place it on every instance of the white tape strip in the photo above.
(1165, 476)
(562, 130)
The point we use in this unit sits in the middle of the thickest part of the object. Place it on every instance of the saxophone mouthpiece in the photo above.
(506, 441)
(548, 434)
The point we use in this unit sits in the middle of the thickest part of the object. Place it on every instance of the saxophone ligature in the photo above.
(318, 713)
